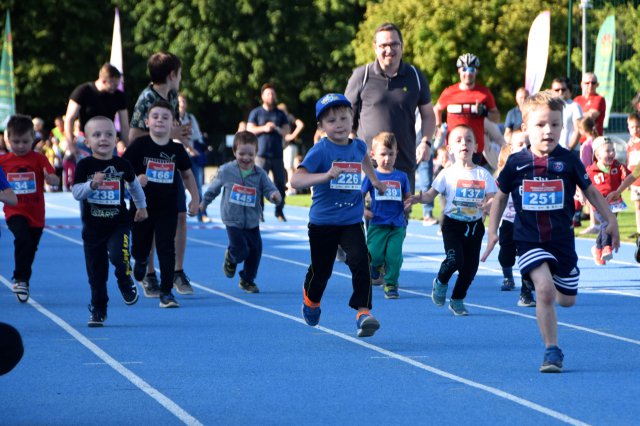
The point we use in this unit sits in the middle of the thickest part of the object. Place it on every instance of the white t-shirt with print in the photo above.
(463, 189)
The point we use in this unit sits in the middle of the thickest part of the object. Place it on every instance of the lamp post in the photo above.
(584, 5)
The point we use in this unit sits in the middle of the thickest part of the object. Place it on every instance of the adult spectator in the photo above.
(635, 102)
(514, 115)
(270, 125)
(385, 95)
(100, 97)
(196, 148)
(593, 105)
(292, 146)
(467, 102)
(571, 113)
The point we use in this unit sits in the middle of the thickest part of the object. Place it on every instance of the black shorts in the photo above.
(561, 258)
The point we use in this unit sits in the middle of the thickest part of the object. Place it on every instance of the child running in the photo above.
(244, 186)
(387, 227)
(26, 171)
(542, 183)
(606, 174)
(333, 168)
(99, 183)
(155, 160)
(468, 189)
(633, 160)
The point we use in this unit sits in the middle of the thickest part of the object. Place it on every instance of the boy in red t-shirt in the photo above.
(607, 174)
(26, 171)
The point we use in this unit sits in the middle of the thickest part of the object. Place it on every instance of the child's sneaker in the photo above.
(21, 290)
(367, 324)
(607, 253)
(341, 255)
(439, 292)
(310, 310)
(97, 317)
(229, 268)
(151, 286)
(248, 286)
(526, 294)
(168, 300)
(637, 253)
(129, 292)
(508, 284)
(391, 291)
(597, 256)
(181, 283)
(139, 270)
(457, 307)
(552, 362)
(377, 277)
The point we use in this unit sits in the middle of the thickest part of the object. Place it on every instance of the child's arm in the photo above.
(81, 191)
(8, 197)
(422, 197)
(213, 191)
(367, 168)
(498, 205)
(600, 204)
(614, 195)
(137, 195)
(192, 187)
(302, 179)
(51, 178)
(485, 205)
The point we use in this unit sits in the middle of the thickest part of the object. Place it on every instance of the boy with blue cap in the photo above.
(333, 167)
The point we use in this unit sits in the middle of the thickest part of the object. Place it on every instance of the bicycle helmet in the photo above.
(468, 60)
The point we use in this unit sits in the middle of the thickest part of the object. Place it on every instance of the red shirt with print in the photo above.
(596, 102)
(607, 182)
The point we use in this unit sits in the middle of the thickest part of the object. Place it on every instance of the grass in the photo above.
(626, 219)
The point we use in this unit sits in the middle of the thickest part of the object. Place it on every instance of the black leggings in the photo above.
(25, 245)
(462, 244)
(507, 253)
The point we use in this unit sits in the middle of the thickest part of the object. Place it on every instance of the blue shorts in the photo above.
(561, 258)
(182, 197)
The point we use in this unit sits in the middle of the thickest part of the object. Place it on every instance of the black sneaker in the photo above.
(129, 292)
(181, 283)
(151, 286)
(281, 217)
(229, 268)
(249, 286)
(97, 317)
(139, 270)
(168, 301)
(21, 290)
(637, 253)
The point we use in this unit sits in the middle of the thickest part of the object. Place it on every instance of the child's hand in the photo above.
(612, 196)
(143, 179)
(368, 214)
(612, 230)
(141, 214)
(203, 208)
(333, 173)
(492, 239)
(275, 197)
(193, 208)
(380, 186)
(412, 199)
(485, 206)
(579, 197)
(51, 178)
(97, 180)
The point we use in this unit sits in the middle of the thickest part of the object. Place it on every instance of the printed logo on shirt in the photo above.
(22, 182)
(350, 178)
(556, 166)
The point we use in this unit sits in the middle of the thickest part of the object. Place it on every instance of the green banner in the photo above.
(605, 62)
(7, 87)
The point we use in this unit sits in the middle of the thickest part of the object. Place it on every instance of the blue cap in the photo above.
(329, 100)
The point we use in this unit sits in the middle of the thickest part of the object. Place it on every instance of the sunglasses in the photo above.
(589, 82)
(469, 69)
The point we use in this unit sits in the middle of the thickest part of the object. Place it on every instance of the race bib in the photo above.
(393, 192)
(107, 193)
(160, 172)
(243, 195)
(634, 158)
(22, 182)
(542, 195)
(469, 193)
(617, 206)
(350, 178)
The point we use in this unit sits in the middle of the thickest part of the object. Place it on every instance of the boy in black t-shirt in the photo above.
(155, 160)
(99, 184)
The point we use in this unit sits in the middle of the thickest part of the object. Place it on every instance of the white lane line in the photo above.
(406, 359)
(136, 380)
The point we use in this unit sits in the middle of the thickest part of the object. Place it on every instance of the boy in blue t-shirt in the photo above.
(542, 183)
(387, 227)
(333, 168)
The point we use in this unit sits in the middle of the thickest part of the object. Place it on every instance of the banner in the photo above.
(605, 63)
(7, 87)
(116, 57)
(537, 52)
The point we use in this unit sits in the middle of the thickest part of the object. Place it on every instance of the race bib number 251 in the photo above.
(542, 195)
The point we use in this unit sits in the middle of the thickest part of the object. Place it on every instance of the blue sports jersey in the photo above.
(338, 202)
(542, 189)
(388, 208)
(4, 183)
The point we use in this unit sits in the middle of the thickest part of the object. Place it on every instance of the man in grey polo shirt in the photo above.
(385, 95)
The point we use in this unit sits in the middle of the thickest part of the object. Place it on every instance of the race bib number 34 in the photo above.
(243, 195)
(23, 182)
(107, 193)
(160, 172)
(393, 192)
(542, 195)
(350, 178)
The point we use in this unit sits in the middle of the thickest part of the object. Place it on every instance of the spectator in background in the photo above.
(571, 113)
(514, 116)
(635, 102)
(593, 105)
(292, 146)
(38, 127)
